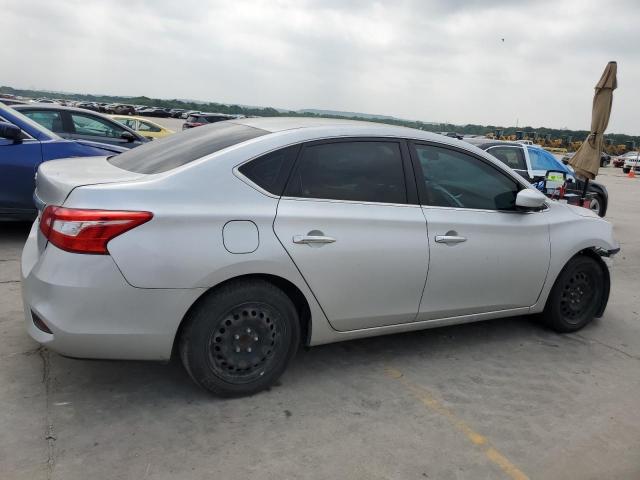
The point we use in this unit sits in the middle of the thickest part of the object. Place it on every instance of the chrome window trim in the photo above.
(511, 212)
(350, 202)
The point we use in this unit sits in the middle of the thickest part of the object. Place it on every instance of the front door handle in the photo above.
(450, 239)
(312, 239)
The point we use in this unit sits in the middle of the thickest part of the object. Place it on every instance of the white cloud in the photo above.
(428, 60)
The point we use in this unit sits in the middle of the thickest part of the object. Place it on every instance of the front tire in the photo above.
(597, 205)
(576, 295)
(239, 339)
(625, 170)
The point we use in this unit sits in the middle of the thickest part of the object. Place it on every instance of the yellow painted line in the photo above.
(474, 437)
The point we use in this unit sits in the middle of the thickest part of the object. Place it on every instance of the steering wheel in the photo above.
(439, 194)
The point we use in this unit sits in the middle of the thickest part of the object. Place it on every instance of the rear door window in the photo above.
(367, 171)
(512, 157)
(49, 119)
(176, 150)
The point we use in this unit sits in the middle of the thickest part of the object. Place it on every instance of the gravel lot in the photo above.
(499, 399)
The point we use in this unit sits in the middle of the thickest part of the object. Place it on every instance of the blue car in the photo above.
(24, 145)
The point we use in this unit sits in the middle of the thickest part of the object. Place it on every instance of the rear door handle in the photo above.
(450, 239)
(312, 239)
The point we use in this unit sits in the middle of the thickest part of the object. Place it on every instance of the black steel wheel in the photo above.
(239, 339)
(244, 343)
(576, 296)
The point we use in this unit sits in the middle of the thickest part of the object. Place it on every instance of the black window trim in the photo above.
(520, 182)
(409, 178)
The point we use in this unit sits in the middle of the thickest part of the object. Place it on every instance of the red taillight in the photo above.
(87, 231)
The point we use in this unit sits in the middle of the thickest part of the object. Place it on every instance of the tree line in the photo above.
(469, 129)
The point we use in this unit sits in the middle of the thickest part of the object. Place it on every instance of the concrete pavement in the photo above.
(499, 399)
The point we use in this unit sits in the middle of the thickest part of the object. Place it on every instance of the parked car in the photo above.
(532, 162)
(452, 135)
(80, 124)
(24, 145)
(238, 242)
(199, 119)
(630, 161)
(154, 112)
(605, 158)
(176, 112)
(88, 106)
(120, 109)
(186, 114)
(618, 161)
(147, 128)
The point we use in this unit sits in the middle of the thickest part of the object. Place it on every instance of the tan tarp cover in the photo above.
(586, 161)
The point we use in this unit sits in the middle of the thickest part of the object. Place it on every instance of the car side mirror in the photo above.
(530, 199)
(10, 132)
(128, 136)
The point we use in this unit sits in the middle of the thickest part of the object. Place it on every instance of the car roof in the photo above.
(49, 106)
(320, 128)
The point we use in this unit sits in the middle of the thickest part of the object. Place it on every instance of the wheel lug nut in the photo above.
(248, 330)
(237, 349)
(249, 349)
(255, 339)
(236, 336)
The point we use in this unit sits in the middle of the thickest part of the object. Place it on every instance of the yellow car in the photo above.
(144, 127)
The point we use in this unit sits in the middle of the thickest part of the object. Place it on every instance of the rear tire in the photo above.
(240, 338)
(625, 170)
(575, 297)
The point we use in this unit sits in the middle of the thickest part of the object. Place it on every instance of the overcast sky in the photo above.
(430, 60)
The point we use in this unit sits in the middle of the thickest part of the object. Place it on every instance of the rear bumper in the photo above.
(92, 311)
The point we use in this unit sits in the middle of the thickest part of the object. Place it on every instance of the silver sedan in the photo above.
(235, 243)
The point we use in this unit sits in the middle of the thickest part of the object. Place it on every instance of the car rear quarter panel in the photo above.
(182, 247)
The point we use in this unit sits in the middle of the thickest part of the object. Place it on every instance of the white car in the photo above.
(234, 243)
(631, 160)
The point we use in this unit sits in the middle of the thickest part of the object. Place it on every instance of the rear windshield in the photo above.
(185, 147)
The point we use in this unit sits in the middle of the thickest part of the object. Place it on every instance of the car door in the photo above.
(18, 164)
(485, 256)
(350, 221)
(90, 127)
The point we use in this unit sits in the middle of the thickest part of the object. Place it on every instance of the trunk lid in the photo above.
(57, 178)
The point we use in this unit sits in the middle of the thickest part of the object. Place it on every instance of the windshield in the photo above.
(185, 147)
